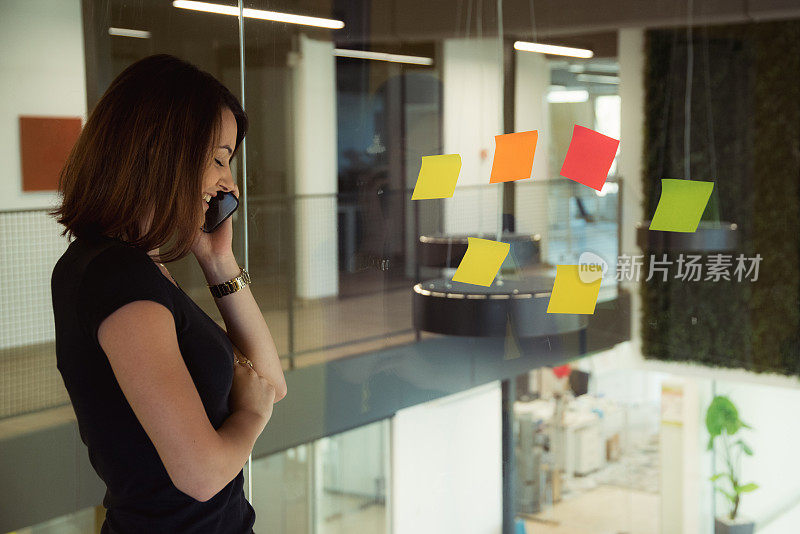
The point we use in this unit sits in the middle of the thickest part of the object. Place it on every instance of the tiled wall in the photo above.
(30, 245)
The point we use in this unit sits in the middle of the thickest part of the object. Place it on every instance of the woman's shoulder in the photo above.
(115, 263)
(110, 250)
(95, 254)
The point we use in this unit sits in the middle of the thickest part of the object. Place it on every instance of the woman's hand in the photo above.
(242, 357)
(250, 392)
(218, 244)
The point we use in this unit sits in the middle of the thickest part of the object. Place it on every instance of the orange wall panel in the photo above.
(45, 143)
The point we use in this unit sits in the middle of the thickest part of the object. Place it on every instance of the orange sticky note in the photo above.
(589, 157)
(481, 262)
(572, 295)
(513, 156)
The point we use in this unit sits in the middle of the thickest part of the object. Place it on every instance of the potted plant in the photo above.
(722, 421)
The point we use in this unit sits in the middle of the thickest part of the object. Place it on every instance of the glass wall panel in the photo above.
(417, 400)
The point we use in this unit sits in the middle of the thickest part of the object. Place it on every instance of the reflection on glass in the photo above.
(345, 99)
(353, 480)
(334, 485)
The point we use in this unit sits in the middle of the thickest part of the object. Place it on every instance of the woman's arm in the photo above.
(245, 324)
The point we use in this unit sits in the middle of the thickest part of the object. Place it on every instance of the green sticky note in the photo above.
(681, 205)
(437, 176)
(481, 261)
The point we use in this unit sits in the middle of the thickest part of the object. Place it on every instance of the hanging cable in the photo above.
(502, 113)
(687, 107)
(710, 122)
(479, 36)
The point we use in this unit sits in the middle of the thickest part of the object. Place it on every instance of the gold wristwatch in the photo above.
(232, 285)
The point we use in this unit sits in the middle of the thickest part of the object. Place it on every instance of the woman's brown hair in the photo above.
(144, 149)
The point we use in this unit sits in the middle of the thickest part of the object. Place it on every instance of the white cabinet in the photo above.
(589, 449)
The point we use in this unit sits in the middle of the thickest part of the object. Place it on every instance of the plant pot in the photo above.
(723, 525)
(709, 237)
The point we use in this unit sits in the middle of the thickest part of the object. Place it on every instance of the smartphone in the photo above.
(220, 208)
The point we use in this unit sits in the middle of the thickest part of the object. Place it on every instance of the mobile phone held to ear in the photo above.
(220, 208)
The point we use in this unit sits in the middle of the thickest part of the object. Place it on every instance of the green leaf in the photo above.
(745, 448)
(720, 475)
(746, 488)
(731, 496)
(722, 415)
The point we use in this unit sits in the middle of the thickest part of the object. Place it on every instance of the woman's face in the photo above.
(218, 176)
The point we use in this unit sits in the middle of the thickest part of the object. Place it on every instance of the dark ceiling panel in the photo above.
(392, 21)
(430, 20)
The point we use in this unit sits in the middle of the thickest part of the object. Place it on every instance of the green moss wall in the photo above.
(745, 136)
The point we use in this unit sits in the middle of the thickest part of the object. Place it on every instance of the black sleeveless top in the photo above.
(93, 278)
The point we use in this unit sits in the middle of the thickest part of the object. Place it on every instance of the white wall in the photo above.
(315, 164)
(769, 410)
(685, 496)
(43, 73)
(630, 47)
(353, 460)
(775, 436)
(531, 112)
(447, 465)
(472, 81)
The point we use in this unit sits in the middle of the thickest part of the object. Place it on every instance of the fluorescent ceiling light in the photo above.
(597, 78)
(125, 32)
(552, 49)
(259, 14)
(594, 66)
(558, 97)
(380, 56)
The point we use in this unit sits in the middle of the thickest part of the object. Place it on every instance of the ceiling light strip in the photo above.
(126, 32)
(381, 56)
(259, 14)
(525, 46)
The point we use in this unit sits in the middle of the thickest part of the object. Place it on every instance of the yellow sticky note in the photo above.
(437, 176)
(481, 261)
(570, 294)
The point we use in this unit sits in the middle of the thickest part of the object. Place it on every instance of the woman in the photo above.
(168, 416)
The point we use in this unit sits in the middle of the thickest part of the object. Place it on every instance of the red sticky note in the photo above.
(513, 156)
(589, 157)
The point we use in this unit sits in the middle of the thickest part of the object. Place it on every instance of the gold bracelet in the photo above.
(232, 285)
(244, 361)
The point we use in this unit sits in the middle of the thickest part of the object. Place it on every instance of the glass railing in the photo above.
(326, 292)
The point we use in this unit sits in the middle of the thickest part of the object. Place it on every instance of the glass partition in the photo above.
(417, 401)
